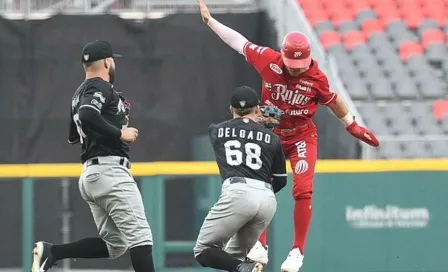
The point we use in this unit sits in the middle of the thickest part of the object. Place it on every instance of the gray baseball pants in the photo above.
(244, 210)
(116, 205)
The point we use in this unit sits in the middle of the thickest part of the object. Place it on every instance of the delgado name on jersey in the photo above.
(232, 132)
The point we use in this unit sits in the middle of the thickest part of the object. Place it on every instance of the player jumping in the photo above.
(293, 82)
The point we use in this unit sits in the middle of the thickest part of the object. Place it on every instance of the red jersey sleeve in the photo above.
(258, 56)
(324, 93)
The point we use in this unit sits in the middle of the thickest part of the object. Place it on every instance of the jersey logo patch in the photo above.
(96, 103)
(75, 101)
(301, 167)
(100, 96)
(120, 107)
(274, 67)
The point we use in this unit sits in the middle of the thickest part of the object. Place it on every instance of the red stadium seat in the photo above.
(411, 11)
(409, 3)
(437, 12)
(378, 4)
(433, 4)
(348, 3)
(353, 38)
(312, 6)
(329, 38)
(384, 8)
(387, 18)
(358, 6)
(439, 18)
(388, 14)
(440, 109)
(338, 20)
(331, 4)
(410, 6)
(335, 9)
(409, 49)
(375, 3)
(432, 36)
(314, 12)
(326, 4)
(413, 19)
(315, 18)
(372, 26)
(341, 15)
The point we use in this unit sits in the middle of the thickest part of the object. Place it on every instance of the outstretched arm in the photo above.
(336, 104)
(340, 110)
(228, 35)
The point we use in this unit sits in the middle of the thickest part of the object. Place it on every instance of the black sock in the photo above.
(141, 258)
(218, 259)
(88, 248)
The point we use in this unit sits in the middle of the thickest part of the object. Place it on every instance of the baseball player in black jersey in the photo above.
(99, 119)
(252, 167)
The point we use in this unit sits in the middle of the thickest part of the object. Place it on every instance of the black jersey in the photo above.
(99, 95)
(244, 148)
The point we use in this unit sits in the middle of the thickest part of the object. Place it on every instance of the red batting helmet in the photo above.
(296, 51)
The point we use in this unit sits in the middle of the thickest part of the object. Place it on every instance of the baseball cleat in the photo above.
(258, 253)
(293, 262)
(42, 257)
(249, 267)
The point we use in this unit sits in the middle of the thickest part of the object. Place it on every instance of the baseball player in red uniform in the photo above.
(293, 82)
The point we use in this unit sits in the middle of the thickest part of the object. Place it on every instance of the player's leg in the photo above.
(45, 255)
(225, 218)
(124, 205)
(248, 235)
(260, 251)
(303, 160)
(263, 238)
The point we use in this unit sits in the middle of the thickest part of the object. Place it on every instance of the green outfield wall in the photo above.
(366, 222)
(362, 222)
(369, 216)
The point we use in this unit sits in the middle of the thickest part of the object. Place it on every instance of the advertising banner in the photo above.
(392, 221)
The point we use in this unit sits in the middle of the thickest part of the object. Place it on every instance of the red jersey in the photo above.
(297, 97)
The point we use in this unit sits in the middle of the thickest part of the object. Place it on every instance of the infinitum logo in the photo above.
(371, 217)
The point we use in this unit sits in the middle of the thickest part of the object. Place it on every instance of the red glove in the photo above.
(363, 134)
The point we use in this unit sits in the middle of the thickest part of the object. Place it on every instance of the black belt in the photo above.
(123, 162)
(243, 180)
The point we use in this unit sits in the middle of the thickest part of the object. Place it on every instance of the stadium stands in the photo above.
(100, 6)
(393, 59)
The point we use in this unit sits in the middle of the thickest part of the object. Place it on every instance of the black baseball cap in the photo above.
(244, 97)
(97, 50)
